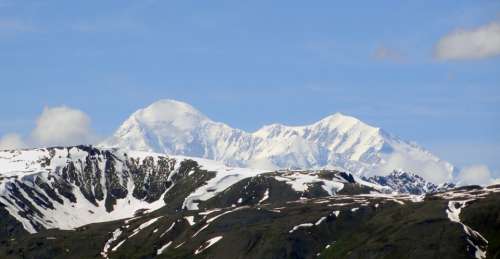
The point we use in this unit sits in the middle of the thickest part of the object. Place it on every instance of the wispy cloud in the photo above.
(12, 141)
(14, 25)
(388, 54)
(477, 43)
(106, 25)
(464, 153)
(476, 174)
(124, 19)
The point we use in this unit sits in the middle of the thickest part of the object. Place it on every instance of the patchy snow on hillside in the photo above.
(207, 244)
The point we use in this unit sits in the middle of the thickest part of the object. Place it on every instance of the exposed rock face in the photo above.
(405, 182)
(125, 204)
(67, 187)
(43, 186)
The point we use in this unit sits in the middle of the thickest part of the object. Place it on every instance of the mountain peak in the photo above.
(336, 141)
(342, 121)
(405, 182)
(159, 127)
(168, 110)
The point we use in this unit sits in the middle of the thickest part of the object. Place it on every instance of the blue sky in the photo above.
(251, 63)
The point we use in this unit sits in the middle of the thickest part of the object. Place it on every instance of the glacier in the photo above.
(335, 142)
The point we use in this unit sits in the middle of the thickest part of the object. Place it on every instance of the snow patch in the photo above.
(265, 197)
(453, 212)
(115, 235)
(304, 225)
(207, 244)
(168, 229)
(160, 251)
(144, 225)
(190, 220)
(320, 221)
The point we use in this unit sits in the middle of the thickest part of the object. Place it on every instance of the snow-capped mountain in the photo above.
(67, 187)
(337, 141)
(406, 182)
(128, 204)
(133, 204)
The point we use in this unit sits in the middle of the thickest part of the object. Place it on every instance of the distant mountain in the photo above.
(405, 182)
(335, 142)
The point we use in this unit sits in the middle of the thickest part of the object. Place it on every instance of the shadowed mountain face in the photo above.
(337, 141)
(405, 182)
(85, 202)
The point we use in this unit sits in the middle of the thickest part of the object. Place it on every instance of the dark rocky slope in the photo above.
(206, 213)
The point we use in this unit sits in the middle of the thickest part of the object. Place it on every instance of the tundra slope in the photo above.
(67, 187)
(335, 142)
(179, 207)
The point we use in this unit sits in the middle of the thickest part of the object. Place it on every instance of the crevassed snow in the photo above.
(208, 244)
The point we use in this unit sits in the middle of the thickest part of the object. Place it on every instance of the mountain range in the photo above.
(335, 142)
(88, 202)
(171, 183)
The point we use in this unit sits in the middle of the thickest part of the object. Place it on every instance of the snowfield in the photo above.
(335, 142)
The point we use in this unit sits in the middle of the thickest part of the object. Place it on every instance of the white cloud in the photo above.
(481, 42)
(435, 172)
(475, 174)
(62, 126)
(11, 141)
(384, 53)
